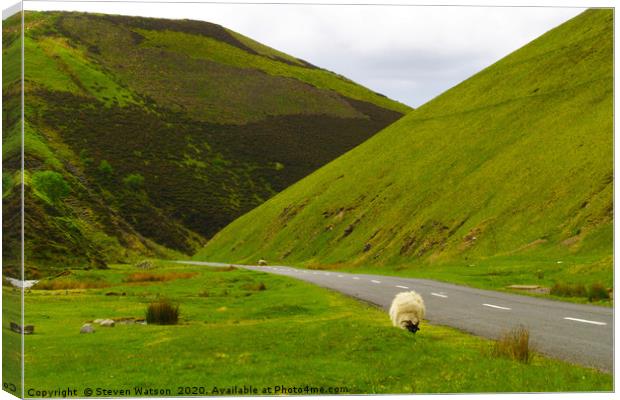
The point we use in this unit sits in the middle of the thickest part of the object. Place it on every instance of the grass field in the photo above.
(512, 168)
(235, 331)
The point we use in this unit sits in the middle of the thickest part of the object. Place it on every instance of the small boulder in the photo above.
(87, 328)
(107, 323)
(262, 262)
(98, 320)
(26, 330)
(348, 230)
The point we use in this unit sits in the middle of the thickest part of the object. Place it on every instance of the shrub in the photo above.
(105, 169)
(540, 274)
(86, 159)
(7, 183)
(151, 277)
(51, 184)
(567, 290)
(514, 344)
(162, 312)
(597, 291)
(134, 181)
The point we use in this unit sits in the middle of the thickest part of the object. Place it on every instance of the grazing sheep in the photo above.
(407, 311)
(262, 262)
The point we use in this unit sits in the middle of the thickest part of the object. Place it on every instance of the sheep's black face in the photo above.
(411, 327)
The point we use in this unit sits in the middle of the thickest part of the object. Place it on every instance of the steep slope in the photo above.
(143, 133)
(515, 161)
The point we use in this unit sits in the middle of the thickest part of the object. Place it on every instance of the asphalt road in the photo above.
(577, 333)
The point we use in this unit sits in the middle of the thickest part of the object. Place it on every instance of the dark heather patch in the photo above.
(201, 28)
(204, 195)
(374, 112)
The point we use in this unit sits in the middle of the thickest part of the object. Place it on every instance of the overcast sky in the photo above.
(410, 54)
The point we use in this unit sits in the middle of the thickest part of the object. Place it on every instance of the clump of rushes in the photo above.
(162, 312)
(66, 284)
(597, 291)
(514, 344)
(256, 287)
(150, 277)
(567, 290)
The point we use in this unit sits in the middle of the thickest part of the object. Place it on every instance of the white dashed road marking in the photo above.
(373, 281)
(439, 295)
(402, 287)
(340, 276)
(356, 278)
(585, 321)
(498, 307)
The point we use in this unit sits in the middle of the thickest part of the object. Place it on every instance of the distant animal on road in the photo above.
(407, 311)
(262, 262)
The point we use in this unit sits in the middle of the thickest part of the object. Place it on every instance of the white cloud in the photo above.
(411, 54)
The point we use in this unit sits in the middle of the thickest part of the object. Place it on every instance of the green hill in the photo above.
(511, 168)
(149, 135)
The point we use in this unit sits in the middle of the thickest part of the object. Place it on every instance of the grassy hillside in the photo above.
(241, 327)
(147, 136)
(509, 173)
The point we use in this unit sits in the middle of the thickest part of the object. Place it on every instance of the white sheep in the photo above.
(407, 311)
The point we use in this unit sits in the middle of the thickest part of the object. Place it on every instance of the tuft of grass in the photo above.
(162, 312)
(597, 291)
(225, 269)
(162, 277)
(65, 284)
(568, 290)
(514, 344)
(256, 287)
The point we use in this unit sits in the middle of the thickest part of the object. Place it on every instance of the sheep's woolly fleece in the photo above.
(407, 306)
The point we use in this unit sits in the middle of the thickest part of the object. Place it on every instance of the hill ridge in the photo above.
(139, 143)
(515, 160)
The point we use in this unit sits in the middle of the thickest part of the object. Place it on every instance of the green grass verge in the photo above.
(232, 333)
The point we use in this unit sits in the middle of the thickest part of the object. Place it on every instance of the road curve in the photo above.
(577, 333)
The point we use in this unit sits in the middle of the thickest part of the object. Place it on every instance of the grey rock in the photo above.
(87, 328)
(26, 330)
(107, 322)
(145, 265)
